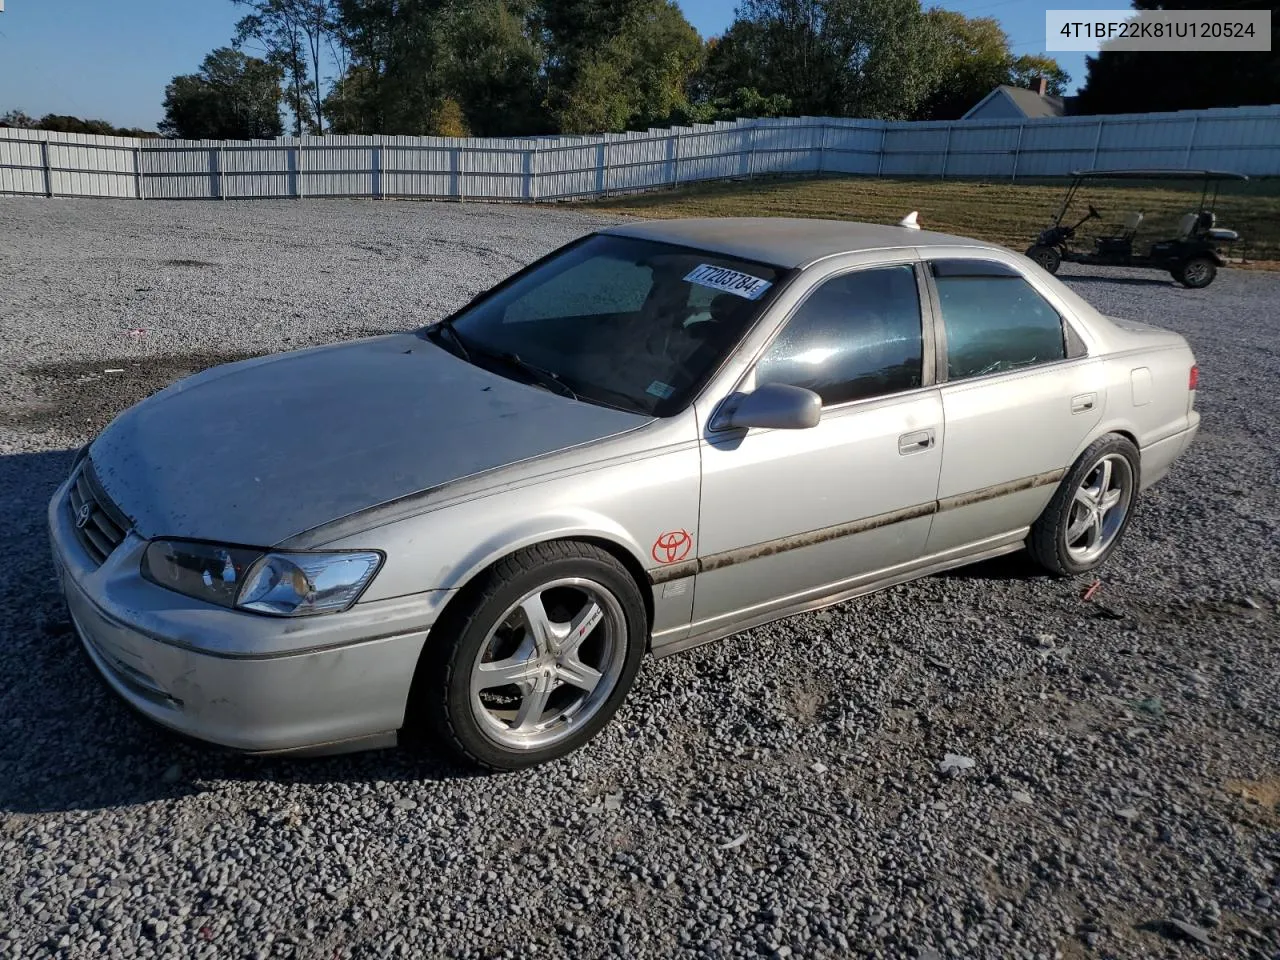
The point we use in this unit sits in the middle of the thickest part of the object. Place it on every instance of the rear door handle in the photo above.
(1083, 403)
(915, 442)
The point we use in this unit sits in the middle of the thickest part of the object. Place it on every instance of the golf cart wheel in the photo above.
(1047, 257)
(1196, 273)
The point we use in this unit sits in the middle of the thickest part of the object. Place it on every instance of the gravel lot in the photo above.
(776, 794)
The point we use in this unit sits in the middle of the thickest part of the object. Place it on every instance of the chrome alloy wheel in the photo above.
(1099, 508)
(549, 663)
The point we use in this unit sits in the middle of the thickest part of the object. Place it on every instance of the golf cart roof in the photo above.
(1161, 174)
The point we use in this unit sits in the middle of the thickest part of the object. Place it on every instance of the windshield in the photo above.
(616, 321)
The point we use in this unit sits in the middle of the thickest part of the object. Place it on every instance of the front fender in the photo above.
(631, 503)
(507, 539)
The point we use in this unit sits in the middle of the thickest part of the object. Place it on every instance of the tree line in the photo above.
(533, 67)
(62, 123)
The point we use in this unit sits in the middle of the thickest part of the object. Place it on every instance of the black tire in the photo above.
(1196, 273)
(1048, 541)
(1046, 256)
(441, 706)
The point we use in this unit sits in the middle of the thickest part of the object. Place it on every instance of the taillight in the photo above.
(1194, 379)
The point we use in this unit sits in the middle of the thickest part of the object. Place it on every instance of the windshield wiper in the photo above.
(533, 372)
(538, 374)
(447, 328)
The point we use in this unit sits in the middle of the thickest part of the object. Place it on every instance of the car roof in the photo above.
(785, 241)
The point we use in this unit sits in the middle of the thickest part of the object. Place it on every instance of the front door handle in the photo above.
(915, 442)
(1083, 403)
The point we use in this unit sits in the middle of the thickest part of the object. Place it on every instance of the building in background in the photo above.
(1019, 103)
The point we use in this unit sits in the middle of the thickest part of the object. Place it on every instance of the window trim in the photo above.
(1069, 330)
(927, 336)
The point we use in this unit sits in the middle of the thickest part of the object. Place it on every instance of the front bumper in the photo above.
(240, 680)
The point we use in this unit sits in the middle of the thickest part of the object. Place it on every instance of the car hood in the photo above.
(258, 451)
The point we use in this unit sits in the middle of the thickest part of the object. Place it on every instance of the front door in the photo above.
(788, 515)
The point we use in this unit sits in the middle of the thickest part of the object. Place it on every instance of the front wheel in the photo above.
(1090, 512)
(1046, 256)
(535, 660)
(1196, 273)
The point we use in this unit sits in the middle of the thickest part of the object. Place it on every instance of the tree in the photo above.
(865, 58)
(513, 67)
(232, 97)
(743, 103)
(1026, 70)
(1141, 81)
(401, 52)
(62, 123)
(18, 119)
(293, 34)
(974, 58)
(448, 120)
(614, 64)
(572, 33)
(494, 67)
(638, 77)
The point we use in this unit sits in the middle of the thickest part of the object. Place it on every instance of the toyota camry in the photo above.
(659, 435)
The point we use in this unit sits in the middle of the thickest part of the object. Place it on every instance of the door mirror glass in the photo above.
(774, 406)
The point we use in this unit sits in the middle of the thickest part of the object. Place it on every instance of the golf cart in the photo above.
(1191, 256)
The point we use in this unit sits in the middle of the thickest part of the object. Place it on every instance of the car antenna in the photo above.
(911, 220)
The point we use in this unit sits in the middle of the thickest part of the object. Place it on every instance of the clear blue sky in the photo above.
(111, 59)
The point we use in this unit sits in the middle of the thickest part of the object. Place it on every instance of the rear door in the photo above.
(1020, 394)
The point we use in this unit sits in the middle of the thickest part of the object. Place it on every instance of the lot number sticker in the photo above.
(730, 281)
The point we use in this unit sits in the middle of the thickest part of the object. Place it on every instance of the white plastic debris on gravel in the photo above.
(776, 794)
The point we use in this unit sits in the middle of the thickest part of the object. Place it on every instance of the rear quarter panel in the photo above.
(1149, 390)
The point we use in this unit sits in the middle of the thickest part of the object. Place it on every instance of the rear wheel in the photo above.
(1090, 512)
(1196, 273)
(536, 660)
(1046, 256)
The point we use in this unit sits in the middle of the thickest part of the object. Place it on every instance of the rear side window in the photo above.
(994, 320)
(856, 336)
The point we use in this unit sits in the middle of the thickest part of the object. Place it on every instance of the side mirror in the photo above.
(775, 406)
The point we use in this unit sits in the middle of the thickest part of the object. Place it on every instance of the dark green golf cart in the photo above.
(1191, 256)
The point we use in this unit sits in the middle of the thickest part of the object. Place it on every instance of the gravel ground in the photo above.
(776, 794)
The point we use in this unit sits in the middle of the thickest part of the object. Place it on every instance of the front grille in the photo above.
(99, 526)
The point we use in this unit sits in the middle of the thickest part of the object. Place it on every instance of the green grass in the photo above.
(999, 212)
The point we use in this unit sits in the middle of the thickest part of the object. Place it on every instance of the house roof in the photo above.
(1029, 103)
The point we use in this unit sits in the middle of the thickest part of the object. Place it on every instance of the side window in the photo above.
(856, 336)
(592, 287)
(994, 320)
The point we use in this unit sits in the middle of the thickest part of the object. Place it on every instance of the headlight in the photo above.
(279, 583)
(294, 584)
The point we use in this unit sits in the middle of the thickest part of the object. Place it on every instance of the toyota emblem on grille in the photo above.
(83, 514)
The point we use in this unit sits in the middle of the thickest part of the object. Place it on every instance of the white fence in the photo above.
(1244, 139)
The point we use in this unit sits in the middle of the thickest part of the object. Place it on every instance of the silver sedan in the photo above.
(659, 435)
